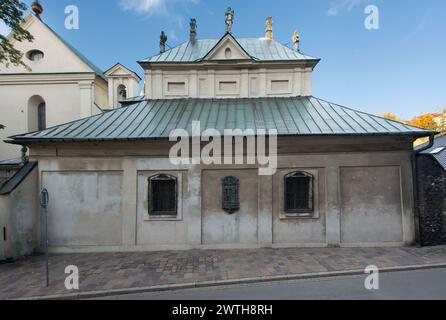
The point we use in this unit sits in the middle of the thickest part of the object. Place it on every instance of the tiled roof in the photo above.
(260, 49)
(155, 119)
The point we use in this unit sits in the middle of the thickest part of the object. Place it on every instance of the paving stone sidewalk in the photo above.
(109, 271)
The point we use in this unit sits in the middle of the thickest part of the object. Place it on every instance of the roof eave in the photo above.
(147, 64)
(19, 141)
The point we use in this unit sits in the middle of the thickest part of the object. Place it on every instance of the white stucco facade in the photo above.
(227, 71)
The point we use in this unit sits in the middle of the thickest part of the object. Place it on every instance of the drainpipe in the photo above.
(416, 199)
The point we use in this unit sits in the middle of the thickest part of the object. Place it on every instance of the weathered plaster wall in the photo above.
(85, 207)
(151, 231)
(221, 228)
(362, 198)
(19, 214)
(371, 206)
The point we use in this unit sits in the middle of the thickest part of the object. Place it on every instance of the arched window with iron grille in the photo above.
(163, 195)
(299, 191)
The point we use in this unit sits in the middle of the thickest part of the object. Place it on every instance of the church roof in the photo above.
(155, 119)
(259, 49)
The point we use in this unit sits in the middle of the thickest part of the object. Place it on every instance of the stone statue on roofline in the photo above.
(163, 40)
(229, 20)
(193, 31)
(296, 40)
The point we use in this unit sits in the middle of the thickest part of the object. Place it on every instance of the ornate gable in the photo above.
(227, 49)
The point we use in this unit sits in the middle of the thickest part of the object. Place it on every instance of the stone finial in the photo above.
(269, 28)
(193, 30)
(163, 40)
(296, 40)
(37, 8)
(229, 20)
(24, 157)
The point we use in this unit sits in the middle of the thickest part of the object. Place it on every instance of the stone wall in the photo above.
(432, 201)
(361, 198)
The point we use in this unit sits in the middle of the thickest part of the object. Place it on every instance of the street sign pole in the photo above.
(44, 201)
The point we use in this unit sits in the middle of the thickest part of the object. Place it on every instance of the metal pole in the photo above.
(44, 200)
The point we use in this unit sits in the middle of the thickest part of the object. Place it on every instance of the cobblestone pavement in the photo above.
(108, 271)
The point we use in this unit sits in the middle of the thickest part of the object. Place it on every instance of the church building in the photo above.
(343, 177)
(61, 85)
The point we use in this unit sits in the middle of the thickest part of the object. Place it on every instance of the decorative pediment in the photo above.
(118, 70)
(227, 49)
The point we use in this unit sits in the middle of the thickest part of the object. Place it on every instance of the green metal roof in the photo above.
(260, 49)
(155, 119)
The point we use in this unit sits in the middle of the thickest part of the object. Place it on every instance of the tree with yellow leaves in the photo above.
(425, 121)
(390, 116)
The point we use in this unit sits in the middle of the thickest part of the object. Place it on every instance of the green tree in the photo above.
(2, 126)
(12, 14)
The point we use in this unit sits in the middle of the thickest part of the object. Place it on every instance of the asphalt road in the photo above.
(409, 285)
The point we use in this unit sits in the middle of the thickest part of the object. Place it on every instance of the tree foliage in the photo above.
(425, 121)
(428, 121)
(2, 126)
(12, 14)
(390, 116)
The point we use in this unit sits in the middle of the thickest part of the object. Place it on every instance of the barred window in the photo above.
(163, 195)
(299, 192)
(230, 196)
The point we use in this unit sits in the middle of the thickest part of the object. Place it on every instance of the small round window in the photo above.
(35, 55)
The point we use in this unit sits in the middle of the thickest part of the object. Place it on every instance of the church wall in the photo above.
(62, 105)
(58, 58)
(67, 85)
(351, 209)
(239, 82)
(101, 94)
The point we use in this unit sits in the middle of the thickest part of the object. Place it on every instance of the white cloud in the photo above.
(141, 6)
(4, 29)
(151, 6)
(339, 6)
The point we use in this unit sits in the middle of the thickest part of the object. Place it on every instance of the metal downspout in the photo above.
(416, 199)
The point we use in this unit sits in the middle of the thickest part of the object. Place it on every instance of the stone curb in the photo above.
(207, 284)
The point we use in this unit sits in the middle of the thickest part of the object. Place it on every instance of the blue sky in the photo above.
(399, 68)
